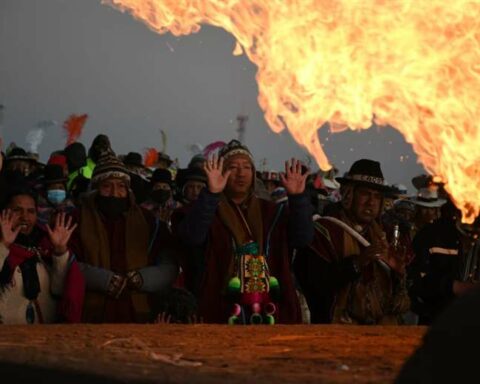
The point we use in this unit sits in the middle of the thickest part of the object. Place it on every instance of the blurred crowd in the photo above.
(92, 236)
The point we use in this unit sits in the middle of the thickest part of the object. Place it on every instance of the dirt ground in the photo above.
(205, 353)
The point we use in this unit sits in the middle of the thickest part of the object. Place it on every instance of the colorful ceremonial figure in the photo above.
(40, 282)
(350, 274)
(242, 274)
(125, 252)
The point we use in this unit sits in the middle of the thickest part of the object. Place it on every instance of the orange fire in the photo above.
(410, 64)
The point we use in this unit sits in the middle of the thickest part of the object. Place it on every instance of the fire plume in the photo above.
(74, 126)
(410, 64)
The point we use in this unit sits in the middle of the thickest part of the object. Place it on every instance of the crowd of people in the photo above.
(99, 238)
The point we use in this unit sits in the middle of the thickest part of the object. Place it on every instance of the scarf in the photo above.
(94, 239)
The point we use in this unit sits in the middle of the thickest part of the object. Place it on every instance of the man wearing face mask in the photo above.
(125, 253)
(161, 202)
(54, 199)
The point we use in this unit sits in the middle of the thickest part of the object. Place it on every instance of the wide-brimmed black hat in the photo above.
(133, 158)
(53, 173)
(18, 153)
(161, 176)
(366, 172)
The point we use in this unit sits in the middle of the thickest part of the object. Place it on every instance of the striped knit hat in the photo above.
(233, 148)
(109, 166)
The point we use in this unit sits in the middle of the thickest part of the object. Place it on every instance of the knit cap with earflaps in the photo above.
(109, 166)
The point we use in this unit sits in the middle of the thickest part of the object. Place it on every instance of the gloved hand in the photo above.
(116, 285)
(134, 280)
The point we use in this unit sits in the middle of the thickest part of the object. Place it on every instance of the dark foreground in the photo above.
(204, 353)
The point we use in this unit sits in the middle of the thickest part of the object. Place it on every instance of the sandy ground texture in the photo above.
(167, 353)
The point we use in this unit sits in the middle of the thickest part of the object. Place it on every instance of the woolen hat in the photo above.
(234, 148)
(109, 167)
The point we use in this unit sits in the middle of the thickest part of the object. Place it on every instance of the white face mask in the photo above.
(56, 196)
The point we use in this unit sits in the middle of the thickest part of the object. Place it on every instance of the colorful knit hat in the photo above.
(233, 148)
(109, 166)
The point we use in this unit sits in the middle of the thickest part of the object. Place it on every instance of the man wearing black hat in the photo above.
(350, 274)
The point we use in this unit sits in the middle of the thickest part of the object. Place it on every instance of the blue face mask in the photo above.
(56, 196)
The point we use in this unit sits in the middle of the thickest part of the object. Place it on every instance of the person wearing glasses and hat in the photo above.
(350, 274)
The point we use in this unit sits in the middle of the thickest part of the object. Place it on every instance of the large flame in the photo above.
(411, 64)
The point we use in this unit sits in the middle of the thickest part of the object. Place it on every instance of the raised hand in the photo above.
(9, 234)
(217, 179)
(61, 233)
(293, 181)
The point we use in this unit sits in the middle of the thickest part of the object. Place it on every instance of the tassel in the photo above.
(30, 314)
(237, 310)
(234, 285)
(270, 309)
(274, 288)
(256, 318)
(256, 308)
(269, 319)
(233, 320)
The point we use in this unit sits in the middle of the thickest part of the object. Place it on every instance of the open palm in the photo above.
(9, 234)
(61, 233)
(293, 181)
(216, 178)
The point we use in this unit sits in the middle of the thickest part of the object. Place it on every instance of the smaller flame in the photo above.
(150, 157)
(74, 126)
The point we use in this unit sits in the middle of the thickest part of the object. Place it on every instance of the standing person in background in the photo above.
(161, 203)
(54, 198)
(19, 166)
(190, 182)
(243, 274)
(79, 174)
